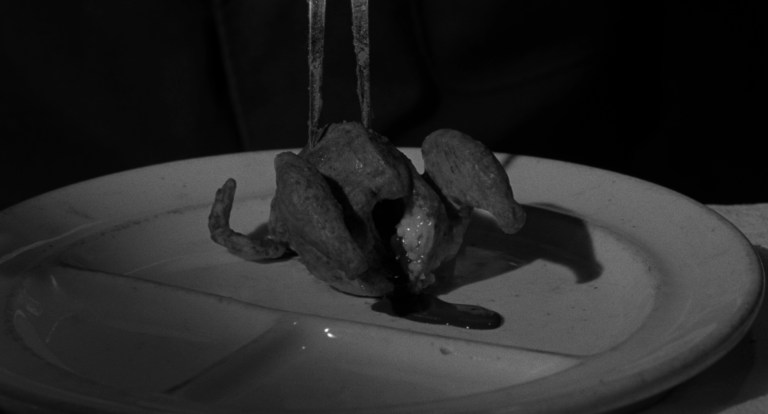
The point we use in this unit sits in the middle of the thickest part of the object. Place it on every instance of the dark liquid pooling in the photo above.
(427, 308)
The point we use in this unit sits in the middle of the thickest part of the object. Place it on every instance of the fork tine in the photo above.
(316, 45)
(361, 40)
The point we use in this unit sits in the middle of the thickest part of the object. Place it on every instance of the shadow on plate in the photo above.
(550, 234)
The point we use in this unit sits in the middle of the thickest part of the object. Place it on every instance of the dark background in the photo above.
(670, 92)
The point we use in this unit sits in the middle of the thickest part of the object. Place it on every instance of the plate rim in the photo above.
(666, 378)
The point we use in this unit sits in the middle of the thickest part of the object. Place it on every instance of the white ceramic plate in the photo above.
(115, 299)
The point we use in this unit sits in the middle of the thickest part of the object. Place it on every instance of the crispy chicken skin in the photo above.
(239, 244)
(469, 175)
(360, 216)
(306, 216)
(364, 169)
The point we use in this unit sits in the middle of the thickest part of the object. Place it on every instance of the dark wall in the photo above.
(673, 92)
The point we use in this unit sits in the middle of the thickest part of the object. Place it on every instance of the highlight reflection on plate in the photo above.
(114, 297)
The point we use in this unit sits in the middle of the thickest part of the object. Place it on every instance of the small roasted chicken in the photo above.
(361, 217)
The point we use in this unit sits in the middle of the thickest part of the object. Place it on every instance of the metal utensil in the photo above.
(361, 43)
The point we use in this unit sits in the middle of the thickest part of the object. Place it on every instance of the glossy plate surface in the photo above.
(115, 298)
